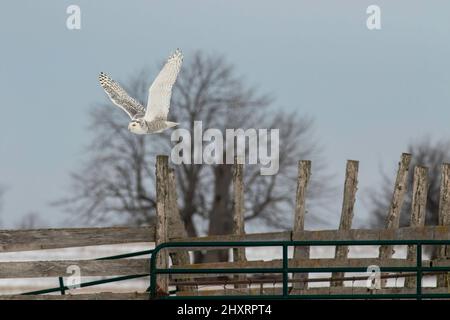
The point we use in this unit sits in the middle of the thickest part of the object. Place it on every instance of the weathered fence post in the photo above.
(398, 197)
(418, 212)
(348, 203)
(304, 173)
(176, 228)
(162, 187)
(444, 218)
(238, 212)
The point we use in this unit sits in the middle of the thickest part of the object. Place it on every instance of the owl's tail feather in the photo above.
(170, 124)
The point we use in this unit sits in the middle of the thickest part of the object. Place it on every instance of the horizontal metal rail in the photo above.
(285, 269)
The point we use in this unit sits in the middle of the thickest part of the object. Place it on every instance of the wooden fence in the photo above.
(169, 227)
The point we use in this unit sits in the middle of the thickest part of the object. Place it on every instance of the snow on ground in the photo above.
(16, 286)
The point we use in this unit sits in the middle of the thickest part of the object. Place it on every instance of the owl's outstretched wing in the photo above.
(120, 97)
(160, 91)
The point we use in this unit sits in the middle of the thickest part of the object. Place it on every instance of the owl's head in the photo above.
(136, 126)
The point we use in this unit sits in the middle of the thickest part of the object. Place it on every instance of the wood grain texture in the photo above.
(348, 203)
(304, 174)
(162, 208)
(177, 228)
(314, 263)
(268, 290)
(418, 211)
(398, 197)
(408, 233)
(284, 235)
(306, 263)
(238, 212)
(444, 217)
(24, 240)
(37, 269)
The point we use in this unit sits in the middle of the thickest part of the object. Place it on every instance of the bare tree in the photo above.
(116, 183)
(424, 152)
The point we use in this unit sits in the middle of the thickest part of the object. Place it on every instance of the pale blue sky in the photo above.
(370, 92)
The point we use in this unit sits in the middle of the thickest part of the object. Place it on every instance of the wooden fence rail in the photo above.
(26, 240)
(37, 269)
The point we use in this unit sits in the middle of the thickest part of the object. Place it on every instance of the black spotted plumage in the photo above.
(120, 97)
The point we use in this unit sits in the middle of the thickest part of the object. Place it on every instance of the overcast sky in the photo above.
(370, 92)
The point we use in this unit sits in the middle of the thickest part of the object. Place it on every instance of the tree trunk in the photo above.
(220, 217)
(188, 211)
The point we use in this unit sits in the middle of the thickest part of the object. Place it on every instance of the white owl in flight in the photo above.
(154, 118)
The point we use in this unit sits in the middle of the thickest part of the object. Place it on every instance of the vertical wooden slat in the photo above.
(398, 197)
(304, 173)
(418, 211)
(238, 212)
(444, 218)
(162, 175)
(348, 203)
(176, 228)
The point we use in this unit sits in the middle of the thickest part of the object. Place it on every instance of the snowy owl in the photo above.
(154, 118)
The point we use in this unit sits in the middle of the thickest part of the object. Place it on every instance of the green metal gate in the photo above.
(285, 269)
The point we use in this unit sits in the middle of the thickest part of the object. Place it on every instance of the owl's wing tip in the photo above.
(177, 54)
